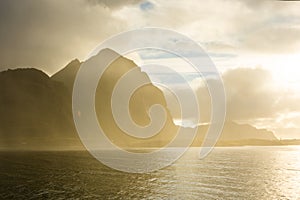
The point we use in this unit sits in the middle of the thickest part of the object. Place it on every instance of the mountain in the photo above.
(68, 74)
(235, 134)
(140, 103)
(36, 110)
(235, 131)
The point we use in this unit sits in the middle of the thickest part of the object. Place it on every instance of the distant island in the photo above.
(36, 112)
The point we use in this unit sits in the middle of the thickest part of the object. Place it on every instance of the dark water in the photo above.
(227, 173)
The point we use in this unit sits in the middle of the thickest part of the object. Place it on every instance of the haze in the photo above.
(255, 44)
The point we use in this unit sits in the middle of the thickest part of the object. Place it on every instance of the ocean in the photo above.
(227, 173)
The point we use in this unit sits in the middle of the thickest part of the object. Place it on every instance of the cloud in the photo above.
(234, 24)
(252, 97)
(276, 39)
(113, 4)
(250, 93)
(47, 34)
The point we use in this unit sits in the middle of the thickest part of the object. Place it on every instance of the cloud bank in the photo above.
(47, 34)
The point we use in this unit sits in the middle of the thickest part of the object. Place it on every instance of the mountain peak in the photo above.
(108, 50)
(74, 62)
(68, 73)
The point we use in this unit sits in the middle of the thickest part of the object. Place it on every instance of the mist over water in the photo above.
(227, 173)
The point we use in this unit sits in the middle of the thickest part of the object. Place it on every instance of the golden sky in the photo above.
(254, 43)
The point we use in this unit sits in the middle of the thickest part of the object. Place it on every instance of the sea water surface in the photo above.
(227, 173)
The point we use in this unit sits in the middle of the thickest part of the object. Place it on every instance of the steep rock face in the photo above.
(139, 106)
(141, 101)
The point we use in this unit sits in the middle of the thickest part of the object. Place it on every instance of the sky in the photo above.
(255, 44)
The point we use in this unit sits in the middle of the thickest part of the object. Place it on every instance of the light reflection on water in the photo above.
(239, 173)
(227, 173)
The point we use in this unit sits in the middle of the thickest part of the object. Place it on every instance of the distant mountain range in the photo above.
(36, 110)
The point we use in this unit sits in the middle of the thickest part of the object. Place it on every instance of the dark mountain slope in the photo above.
(34, 108)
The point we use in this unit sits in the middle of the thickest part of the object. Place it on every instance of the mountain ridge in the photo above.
(37, 108)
